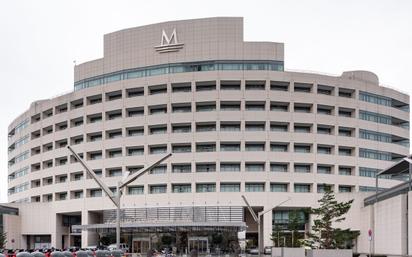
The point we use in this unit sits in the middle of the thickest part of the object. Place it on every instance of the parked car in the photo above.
(254, 251)
(267, 250)
(123, 247)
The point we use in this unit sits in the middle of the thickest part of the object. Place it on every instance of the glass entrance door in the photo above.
(201, 244)
(141, 246)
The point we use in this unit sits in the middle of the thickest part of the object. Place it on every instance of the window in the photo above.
(94, 118)
(205, 127)
(375, 117)
(254, 126)
(135, 190)
(325, 90)
(134, 151)
(255, 167)
(78, 194)
(135, 112)
(112, 115)
(229, 187)
(279, 167)
(302, 168)
(94, 99)
(254, 147)
(47, 113)
(368, 172)
(135, 92)
(115, 95)
(375, 154)
(302, 128)
(229, 85)
(205, 187)
(346, 92)
(205, 167)
(159, 89)
(345, 189)
(181, 128)
(206, 107)
(229, 167)
(136, 131)
(114, 172)
(322, 188)
(229, 126)
(279, 106)
(114, 153)
(324, 169)
(158, 170)
(279, 147)
(181, 87)
(255, 106)
(325, 149)
(182, 168)
(96, 193)
(345, 151)
(181, 148)
(158, 109)
(76, 122)
(181, 107)
(230, 106)
(111, 134)
(279, 127)
(303, 108)
(278, 187)
(302, 188)
(346, 112)
(325, 129)
(158, 129)
(346, 132)
(95, 155)
(303, 87)
(76, 104)
(325, 109)
(157, 189)
(181, 188)
(206, 86)
(279, 85)
(345, 171)
(61, 108)
(158, 149)
(255, 85)
(302, 148)
(205, 147)
(254, 187)
(229, 147)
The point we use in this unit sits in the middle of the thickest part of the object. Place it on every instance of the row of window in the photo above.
(206, 188)
(179, 68)
(383, 100)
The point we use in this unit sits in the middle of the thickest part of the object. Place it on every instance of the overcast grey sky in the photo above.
(40, 39)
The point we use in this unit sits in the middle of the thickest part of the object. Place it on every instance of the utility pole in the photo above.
(120, 185)
(257, 218)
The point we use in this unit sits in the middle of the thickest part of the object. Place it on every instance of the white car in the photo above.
(123, 247)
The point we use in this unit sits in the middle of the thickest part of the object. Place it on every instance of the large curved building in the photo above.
(235, 121)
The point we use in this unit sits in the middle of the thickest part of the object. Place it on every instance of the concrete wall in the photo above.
(12, 226)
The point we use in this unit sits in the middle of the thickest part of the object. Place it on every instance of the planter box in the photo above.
(288, 252)
(329, 253)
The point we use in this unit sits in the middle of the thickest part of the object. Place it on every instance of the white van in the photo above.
(123, 247)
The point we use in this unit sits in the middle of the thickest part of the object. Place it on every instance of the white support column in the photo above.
(267, 229)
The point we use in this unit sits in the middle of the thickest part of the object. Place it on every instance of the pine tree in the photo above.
(3, 239)
(324, 236)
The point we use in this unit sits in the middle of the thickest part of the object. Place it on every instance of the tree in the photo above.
(295, 223)
(3, 239)
(330, 212)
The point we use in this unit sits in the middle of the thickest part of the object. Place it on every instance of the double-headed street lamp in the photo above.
(115, 198)
(257, 218)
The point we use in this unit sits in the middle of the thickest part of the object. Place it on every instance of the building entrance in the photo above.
(141, 245)
(201, 244)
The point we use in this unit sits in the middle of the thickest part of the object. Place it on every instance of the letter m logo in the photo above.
(169, 44)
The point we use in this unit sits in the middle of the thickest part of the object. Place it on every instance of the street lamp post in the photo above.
(257, 218)
(115, 198)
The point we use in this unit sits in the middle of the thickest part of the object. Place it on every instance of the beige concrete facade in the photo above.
(233, 118)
